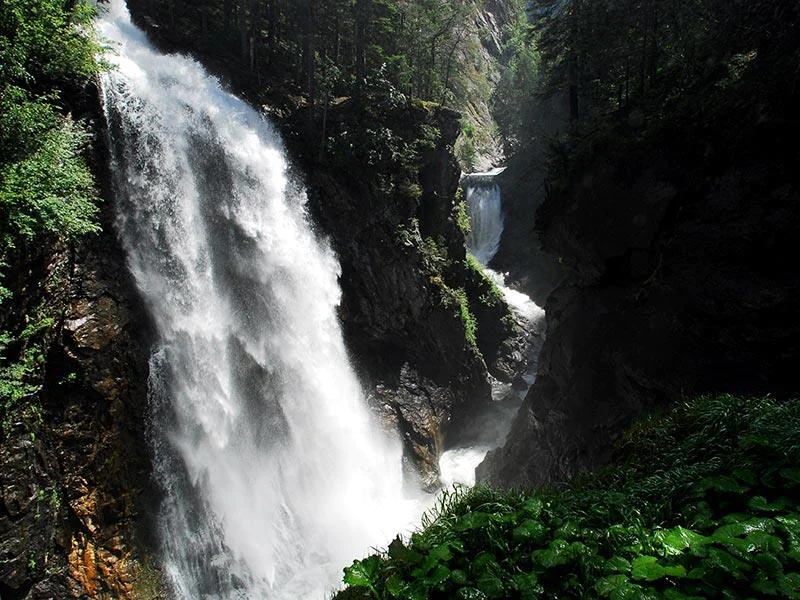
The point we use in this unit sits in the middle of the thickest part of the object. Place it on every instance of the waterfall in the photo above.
(485, 209)
(272, 472)
(485, 214)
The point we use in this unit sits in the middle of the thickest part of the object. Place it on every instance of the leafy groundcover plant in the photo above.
(702, 502)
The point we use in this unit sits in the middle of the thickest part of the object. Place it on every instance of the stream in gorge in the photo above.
(485, 208)
(272, 471)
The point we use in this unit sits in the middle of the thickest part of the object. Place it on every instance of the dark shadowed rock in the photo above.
(683, 285)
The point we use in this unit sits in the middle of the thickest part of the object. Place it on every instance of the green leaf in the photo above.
(769, 564)
(724, 484)
(675, 541)
(617, 564)
(458, 577)
(484, 560)
(724, 561)
(748, 476)
(647, 568)
(739, 529)
(532, 508)
(363, 573)
(559, 552)
(528, 586)
(437, 576)
(760, 503)
(790, 523)
(470, 594)
(529, 530)
(472, 520)
(762, 541)
(617, 587)
(491, 585)
(790, 586)
(791, 475)
(674, 594)
(400, 552)
(395, 586)
(568, 530)
(763, 585)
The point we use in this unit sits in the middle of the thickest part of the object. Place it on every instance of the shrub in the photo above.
(490, 293)
(462, 216)
(703, 502)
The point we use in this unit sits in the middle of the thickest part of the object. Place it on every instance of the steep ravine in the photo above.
(681, 285)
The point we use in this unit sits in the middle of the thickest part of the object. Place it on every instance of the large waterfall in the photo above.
(273, 474)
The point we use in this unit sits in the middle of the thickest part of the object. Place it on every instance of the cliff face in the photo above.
(530, 268)
(481, 62)
(678, 252)
(73, 460)
(403, 259)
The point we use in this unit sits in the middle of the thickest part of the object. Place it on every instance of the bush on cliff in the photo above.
(46, 187)
(47, 191)
(703, 502)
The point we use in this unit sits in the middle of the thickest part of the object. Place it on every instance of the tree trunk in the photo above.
(272, 30)
(309, 50)
(361, 7)
(243, 30)
(572, 64)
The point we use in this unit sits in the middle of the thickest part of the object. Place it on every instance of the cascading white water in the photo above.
(274, 475)
(485, 209)
(485, 214)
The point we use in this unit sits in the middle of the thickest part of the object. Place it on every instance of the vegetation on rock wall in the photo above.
(702, 502)
(47, 191)
(72, 456)
(46, 188)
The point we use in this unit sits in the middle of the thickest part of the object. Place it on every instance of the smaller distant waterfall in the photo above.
(484, 205)
(485, 214)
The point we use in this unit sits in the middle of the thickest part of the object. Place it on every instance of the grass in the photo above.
(702, 502)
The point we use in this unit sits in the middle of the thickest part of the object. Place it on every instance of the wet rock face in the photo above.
(73, 479)
(681, 285)
(407, 343)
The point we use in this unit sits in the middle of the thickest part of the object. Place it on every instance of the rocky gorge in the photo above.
(661, 253)
(675, 284)
(76, 478)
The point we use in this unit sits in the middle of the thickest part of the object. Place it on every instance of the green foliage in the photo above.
(46, 43)
(466, 148)
(47, 54)
(456, 299)
(49, 191)
(462, 216)
(46, 188)
(515, 100)
(434, 257)
(467, 318)
(436, 262)
(490, 293)
(703, 502)
(385, 135)
(22, 359)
